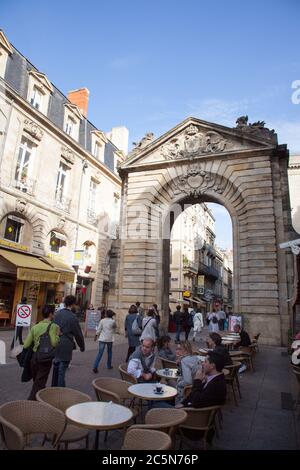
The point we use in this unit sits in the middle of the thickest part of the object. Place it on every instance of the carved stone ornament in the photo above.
(33, 129)
(68, 155)
(256, 129)
(197, 182)
(21, 205)
(61, 223)
(193, 142)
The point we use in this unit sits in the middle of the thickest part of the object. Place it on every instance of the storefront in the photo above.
(23, 275)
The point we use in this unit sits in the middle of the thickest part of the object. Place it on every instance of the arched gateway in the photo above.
(243, 169)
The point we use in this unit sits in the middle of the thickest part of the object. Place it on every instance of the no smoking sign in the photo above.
(24, 312)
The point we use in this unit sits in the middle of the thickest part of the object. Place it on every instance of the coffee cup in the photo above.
(158, 388)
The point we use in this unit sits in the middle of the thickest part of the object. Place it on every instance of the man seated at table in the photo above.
(245, 339)
(209, 385)
(215, 343)
(141, 362)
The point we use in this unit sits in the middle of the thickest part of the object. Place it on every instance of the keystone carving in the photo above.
(68, 155)
(193, 142)
(197, 182)
(33, 129)
(21, 205)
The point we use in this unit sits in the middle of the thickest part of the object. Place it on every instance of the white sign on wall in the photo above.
(24, 312)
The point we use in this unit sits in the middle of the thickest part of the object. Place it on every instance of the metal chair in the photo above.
(125, 375)
(62, 398)
(146, 439)
(198, 424)
(167, 364)
(22, 419)
(232, 379)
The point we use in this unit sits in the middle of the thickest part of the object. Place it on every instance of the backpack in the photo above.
(214, 319)
(45, 351)
(190, 321)
(135, 328)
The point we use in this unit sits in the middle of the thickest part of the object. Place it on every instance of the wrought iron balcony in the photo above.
(190, 266)
(208, 271)
(26, 185)
(63, 203)
(92, 217)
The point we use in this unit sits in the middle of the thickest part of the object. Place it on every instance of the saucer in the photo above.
(158, 393)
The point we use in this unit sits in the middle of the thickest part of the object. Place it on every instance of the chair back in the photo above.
(61, 397)
(22, 418)
(200, 419)
(146, 439)
(233, 370)
(187, 390)
(167, 364)
(125, 375)
(111, 389)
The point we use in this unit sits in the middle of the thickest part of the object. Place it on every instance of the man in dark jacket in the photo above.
(70, 329)
(215, 343)
(245, 339)
(178, 320)
(209, 385)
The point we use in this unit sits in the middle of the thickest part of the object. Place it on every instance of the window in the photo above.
(13, 228)
(23, 163)
(57, 241)
(70, 123)
(36, 98)
(92, 196)
(61, 182)
(96, 150)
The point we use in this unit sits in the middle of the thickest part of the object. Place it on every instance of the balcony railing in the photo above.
(208, 271)
(26, 185)
(190, 266)
(92, 217)
(63, 203)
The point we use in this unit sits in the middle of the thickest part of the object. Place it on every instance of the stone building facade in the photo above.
(242, 168)
(59, 190)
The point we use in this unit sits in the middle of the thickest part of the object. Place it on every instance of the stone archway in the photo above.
(243, 169)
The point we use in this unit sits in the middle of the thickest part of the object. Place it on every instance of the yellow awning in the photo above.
(66, 273)
(30, 268)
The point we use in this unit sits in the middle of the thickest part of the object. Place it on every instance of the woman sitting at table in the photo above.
(188, 364)
(164, 350)
(215, 343)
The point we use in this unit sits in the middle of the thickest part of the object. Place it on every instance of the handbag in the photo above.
(16, 351)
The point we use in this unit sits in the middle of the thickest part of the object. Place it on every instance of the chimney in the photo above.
(81, 99)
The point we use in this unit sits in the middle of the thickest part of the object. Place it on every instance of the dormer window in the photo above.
(96, 150)
(5, 51)
(98, 144)
(70, 126)
(39, 90)
(36, 98)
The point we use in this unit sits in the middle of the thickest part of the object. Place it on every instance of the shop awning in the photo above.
(197, 301)
(66, 273)
(30, 268)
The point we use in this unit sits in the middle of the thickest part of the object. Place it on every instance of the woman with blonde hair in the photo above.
(188, 364)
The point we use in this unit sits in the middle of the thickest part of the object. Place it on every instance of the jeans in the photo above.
(100, 354)
(178, 328)
(18, 334)
(59, 372)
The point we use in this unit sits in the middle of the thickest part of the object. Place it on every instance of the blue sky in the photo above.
(149, 65)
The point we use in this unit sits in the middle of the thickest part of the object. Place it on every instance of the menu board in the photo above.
(92, 319)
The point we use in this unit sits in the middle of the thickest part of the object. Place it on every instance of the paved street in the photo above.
(259, 422)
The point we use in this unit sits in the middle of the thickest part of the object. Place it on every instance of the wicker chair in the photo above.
(62, 398)
(115, 390)
(146, 439)
(163, 420)
(255, 342)
(125, 375)
(166, 364)
(21, 419)
(232, 379)
(199, 422)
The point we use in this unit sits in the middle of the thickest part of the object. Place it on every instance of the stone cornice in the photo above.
(59, 133)
(42, 79)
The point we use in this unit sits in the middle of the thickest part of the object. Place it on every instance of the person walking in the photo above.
(187, 322)
(19, 329)
(70, 329)
(105, 335)
(198, 323)
(213, 321)
(178, 321)
(149, 326)
(133, 338)
(221, 319)
(40, 367)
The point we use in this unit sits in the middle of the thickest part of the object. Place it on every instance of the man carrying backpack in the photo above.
(43, 337)
(70, 329)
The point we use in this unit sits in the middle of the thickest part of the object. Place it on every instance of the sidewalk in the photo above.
(259, 422)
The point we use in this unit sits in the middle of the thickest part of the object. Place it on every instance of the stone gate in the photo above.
(242, 168)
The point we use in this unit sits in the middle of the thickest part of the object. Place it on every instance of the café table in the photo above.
(101, 416)
(168, 373)
(146, 391)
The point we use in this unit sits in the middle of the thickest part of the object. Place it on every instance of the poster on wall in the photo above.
(233, 320)
(92, 319)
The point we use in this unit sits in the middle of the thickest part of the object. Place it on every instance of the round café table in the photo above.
(168, 373)
(99, 415)
(146, 391)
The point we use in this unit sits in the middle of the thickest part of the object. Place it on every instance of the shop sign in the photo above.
(78, 257)
(14, 245)
(186, 293)
(200, 281)
(24, 312)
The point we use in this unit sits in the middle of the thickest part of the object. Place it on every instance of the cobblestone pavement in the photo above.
(258, 422)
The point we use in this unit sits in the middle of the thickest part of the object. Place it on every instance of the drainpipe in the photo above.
(84, 167)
